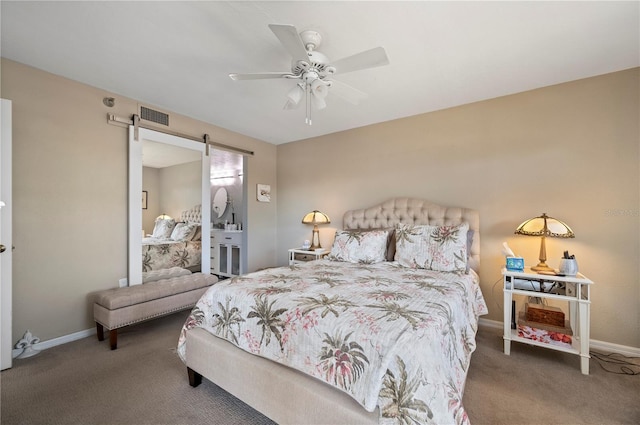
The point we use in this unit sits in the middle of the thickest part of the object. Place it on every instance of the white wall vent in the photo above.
(152, 115)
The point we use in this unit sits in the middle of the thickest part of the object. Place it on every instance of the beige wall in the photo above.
(70, 197)
(570, 150)
(171, 190)
(180, 188)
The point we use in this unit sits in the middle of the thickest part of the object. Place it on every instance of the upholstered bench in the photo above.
(119, 307)
(154, 275)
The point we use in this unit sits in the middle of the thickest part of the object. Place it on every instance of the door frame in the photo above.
(6, 283)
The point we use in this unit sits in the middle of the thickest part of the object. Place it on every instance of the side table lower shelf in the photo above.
(576, 293)
(574, 349)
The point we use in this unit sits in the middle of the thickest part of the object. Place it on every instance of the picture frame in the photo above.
(263, 193)
(144, 199)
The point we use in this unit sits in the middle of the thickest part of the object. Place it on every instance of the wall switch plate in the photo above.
(123, 282)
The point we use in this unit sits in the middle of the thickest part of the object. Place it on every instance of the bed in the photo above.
(355, 338)
(174, 244)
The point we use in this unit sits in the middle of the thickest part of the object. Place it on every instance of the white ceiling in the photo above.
(161, 155)
(177, 55)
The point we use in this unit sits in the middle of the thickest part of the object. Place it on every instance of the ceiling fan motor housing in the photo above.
(318, 61)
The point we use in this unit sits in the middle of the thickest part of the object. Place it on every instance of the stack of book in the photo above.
(544, 324)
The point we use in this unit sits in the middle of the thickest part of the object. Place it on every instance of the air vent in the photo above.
(154, 116)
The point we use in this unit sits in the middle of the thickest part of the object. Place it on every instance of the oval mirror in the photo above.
(220, 202)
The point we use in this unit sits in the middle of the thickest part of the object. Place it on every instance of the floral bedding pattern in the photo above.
(387, 335)
(440, 248)
(164, 254)
(360, 247)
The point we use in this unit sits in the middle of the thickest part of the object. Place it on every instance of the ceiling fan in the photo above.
(314, 70)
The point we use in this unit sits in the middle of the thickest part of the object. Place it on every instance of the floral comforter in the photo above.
(388, 336)
(164, 254)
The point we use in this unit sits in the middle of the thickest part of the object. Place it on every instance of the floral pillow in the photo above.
(197, 235)
(439, 248)
(183, 232)
(163, 228)
(360, 247)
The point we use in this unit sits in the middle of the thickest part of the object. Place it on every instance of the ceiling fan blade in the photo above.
(346, 92)
(363, 60)
(260, 76)
(290, 39)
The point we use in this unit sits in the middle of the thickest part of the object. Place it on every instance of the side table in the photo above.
(575, 290)
(298, 255)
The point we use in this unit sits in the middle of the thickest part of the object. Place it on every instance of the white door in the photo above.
(5, 234)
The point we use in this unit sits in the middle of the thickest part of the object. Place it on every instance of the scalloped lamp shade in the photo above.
(544, 226)
(316, 217)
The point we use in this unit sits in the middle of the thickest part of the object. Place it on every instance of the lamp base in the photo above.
(542, 267)
(315, 239)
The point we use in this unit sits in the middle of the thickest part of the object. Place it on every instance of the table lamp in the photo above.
(544, 226)
(315, 217)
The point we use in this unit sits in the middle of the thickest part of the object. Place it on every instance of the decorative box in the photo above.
(554, 335)
(544, 314)
(515, 264)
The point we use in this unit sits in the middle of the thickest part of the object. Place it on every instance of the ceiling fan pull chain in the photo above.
(308, 100)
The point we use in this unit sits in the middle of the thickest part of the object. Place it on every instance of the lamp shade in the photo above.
(545, 226)
(163, 217)
(295, 94)
(316, 217)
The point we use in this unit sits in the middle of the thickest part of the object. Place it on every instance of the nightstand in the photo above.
(302, 255)
(575, 290)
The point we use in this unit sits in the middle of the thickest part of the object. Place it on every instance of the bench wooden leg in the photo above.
(100, 331)
(195, 378)
(113, 338)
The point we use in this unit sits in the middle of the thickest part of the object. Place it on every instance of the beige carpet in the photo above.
(144, 382)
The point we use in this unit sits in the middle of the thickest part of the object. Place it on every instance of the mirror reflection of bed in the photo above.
(172, 219)
(174, 242)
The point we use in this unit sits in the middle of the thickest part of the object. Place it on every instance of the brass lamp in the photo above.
(544, 226)
(315, 217)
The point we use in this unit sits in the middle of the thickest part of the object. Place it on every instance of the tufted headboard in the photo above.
(194, 215)
(416, 211)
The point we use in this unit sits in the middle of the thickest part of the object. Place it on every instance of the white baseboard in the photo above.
(56, 341)
(607, 347)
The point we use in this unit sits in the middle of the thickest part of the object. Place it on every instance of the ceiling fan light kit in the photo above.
(313, 69)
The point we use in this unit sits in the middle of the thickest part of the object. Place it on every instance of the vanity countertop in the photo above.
(226, 231)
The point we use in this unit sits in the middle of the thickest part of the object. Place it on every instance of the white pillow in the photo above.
(183, 232)
(360, 247)
(163, 228)
(439, 248)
